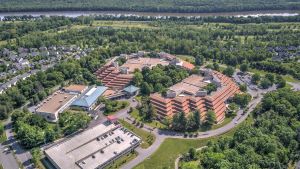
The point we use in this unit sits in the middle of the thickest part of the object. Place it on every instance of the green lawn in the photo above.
(187, 58)
(170, 149)
(226, 121)
(147, 138)
(153, 123)
(288, 78)
(119, 162)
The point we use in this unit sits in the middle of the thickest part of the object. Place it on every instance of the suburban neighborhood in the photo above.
(150, 85)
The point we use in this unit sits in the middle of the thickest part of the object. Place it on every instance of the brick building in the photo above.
(190, 94)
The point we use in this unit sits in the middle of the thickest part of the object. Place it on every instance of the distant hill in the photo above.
(150, 5)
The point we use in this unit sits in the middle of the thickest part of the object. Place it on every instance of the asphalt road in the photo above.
(22, 155)
(144, 154)
(7, 158)
(9, 162)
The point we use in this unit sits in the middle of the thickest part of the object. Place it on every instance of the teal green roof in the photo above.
(131, 89)
(88, 100)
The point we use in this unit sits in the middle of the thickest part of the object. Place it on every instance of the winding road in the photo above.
(143, 154)
(161, 135)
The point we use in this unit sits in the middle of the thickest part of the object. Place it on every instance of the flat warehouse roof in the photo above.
(92, 148)
(54, 102)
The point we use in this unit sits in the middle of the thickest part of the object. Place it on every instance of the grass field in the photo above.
(147, 138)
(153, 123)
(170, 149)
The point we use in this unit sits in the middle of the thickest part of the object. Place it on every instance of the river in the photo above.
(152, 14)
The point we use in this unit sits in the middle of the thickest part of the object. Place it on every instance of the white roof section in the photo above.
(93, 147)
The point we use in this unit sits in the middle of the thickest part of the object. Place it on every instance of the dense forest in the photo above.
(150, 6)
(272, 141)
(231, 44)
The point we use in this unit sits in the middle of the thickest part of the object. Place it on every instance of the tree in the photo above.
(190, 155)
(196, 116)
(232, 109)
(244, 67)
(138, 78)
(270, 77)
(210, 118)
(216, 66)
(242, 99)
(1, 129)
(199, 60)
(36, 157)
(71, 122)
(179, 121)
(229, 71)
(255, 78)
(30, 136)
(243, 87)
(281, 83)
(3, 112)
(146, 89)
(211, 87)
(265, 83)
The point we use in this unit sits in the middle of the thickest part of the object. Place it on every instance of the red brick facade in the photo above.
(216, 101)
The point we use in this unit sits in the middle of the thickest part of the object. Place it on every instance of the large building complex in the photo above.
(74, 95)
(190, 95)
(56, 103)
(94, 148)
(117, 77)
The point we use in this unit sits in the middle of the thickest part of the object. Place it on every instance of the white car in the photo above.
(235, 122)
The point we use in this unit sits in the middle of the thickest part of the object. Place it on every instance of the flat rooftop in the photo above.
(54, 102)
(190, 85)
(75, 88)
(139, 63)
(92, 148)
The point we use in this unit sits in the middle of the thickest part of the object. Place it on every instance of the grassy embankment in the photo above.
(170, 149)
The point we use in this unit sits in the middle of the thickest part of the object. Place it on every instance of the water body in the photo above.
(151, 14)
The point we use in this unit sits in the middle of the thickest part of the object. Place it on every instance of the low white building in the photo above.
(94, 148)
